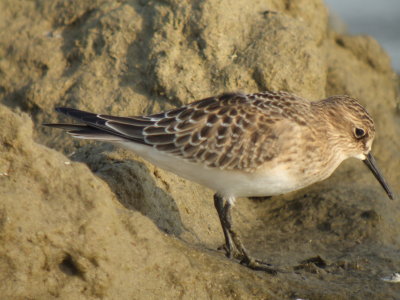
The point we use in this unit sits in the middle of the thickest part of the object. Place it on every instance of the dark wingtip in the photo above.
(77, 114)
(64, 110)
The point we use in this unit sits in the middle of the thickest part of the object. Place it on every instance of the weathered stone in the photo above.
(99, 222)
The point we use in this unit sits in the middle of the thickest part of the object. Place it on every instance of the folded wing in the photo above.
(227, 132)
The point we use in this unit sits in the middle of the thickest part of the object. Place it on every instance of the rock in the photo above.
(87, 220)
(63, 234)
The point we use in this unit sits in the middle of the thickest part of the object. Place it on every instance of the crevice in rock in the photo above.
(69, 267)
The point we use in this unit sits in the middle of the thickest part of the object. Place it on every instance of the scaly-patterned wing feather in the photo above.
(232, 131)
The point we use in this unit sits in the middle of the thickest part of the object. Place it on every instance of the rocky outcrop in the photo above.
(83, 220)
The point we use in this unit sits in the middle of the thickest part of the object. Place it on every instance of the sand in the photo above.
(86, 220)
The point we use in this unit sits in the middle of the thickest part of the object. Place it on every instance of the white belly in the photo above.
(228, 183)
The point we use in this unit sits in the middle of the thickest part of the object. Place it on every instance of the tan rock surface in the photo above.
(99, 222)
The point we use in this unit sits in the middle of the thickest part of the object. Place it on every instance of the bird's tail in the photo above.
(93, 129)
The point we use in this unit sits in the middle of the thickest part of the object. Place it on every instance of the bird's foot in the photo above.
(258, 265)
(246, 260)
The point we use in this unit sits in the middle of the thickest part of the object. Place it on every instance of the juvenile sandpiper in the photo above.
(243, 145)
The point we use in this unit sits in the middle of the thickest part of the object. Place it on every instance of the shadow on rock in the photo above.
(133, 186)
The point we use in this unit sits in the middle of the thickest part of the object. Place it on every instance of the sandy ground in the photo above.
(85, 220)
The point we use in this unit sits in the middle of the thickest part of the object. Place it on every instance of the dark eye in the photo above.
(359, 133)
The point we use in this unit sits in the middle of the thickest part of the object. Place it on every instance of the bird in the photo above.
(243, 145)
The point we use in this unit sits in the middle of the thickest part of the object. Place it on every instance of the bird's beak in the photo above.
(371, 164)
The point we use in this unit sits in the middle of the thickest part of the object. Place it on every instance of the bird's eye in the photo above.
(359, 133)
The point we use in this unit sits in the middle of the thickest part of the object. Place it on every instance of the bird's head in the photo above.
(354, 132)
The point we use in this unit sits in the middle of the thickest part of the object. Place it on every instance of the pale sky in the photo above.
(381, 19)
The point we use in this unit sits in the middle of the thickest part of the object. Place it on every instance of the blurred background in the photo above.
(380, 19)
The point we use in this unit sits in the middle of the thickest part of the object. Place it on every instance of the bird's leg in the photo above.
(220, 207)
(233, 244)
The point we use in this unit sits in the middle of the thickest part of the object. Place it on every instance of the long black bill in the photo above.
(370, 162)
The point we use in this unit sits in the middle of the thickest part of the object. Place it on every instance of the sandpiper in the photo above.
(243, 145)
